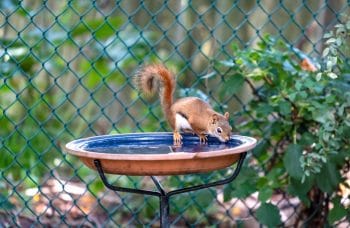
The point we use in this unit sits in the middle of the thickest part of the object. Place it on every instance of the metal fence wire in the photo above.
(66, 72)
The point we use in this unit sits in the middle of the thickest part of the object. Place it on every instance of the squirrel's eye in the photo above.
(219, 130)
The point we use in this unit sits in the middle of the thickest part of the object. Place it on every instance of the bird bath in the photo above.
(153, 154)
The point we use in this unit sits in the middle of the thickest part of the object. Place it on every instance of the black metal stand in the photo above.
(162, 194)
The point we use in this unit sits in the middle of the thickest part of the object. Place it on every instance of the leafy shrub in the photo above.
(300, 110)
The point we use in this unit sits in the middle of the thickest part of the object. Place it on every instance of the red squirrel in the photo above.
(189, 114)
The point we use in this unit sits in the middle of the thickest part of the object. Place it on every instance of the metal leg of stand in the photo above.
(163, 204)
(164, 211)
(117, 188)
(162, 194)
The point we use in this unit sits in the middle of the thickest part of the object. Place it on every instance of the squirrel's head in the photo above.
(219, 127)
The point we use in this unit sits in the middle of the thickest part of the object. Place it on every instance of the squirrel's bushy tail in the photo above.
(152, 78)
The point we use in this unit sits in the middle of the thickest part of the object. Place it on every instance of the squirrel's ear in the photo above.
(227, 115)
(214, 118)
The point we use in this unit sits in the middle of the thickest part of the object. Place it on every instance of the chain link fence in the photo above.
(66, 72)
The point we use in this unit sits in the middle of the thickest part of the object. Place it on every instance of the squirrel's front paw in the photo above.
(203, 139)
(177, 139)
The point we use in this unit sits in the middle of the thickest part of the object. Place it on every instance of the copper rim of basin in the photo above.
(172, 163)
(76, 149)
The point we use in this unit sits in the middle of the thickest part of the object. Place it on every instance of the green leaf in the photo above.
(331, 40)
(243, 186)
(328, 35)
(325, 52)
(264, 109)
(261, 148)
(328, 178)
(235, 83)
(254, 56)
(227, 193)
(347, 24)
(332, 75)
(205, 198)
(322, 115)
(268, 214)
(293, 96)
(318, 76)
(346, 131)
(265, 194)
(285, 107)
(307, 139)
(291, 161)
(337, 212)
(244, 190)
(299, 189)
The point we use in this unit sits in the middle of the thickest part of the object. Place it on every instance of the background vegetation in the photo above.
(65, 73)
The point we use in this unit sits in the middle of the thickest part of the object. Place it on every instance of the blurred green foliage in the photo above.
(57, 85)
(300, 110)
(42, 105)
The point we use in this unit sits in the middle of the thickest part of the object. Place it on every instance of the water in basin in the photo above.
(153, 144)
